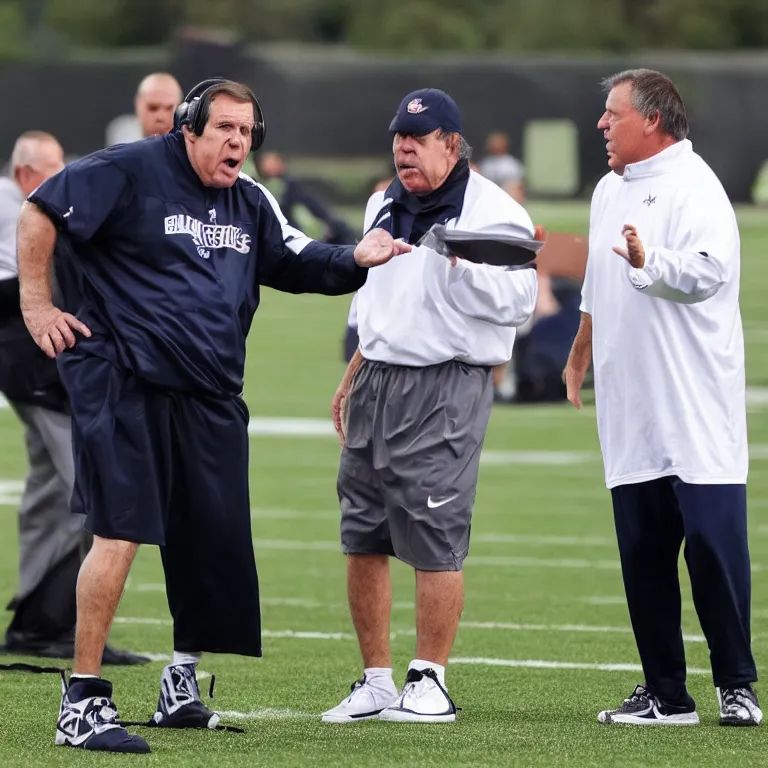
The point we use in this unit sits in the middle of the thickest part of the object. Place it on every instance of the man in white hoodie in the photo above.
(661, 324)
(417, 397)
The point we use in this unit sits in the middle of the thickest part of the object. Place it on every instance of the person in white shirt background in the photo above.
(414, 404)
(662, 326)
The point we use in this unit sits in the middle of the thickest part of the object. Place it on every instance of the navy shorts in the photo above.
(155, 466)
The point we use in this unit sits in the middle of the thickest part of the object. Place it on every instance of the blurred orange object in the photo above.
(563, 255)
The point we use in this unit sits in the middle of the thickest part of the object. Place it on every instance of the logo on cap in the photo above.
(415, 107)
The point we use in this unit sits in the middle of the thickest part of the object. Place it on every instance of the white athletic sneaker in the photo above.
(739, 706)
(643, 708)
(422, 700)
(363, 703)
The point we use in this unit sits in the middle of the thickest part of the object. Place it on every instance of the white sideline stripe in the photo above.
(291, 427)
(307, 635)
(565, 541)
(266, 714)
(600, 600)
(547, 458)
(570, 628)
(293, 545)
(541, 664)
(510, 627)
(298, 546)
(159, 657)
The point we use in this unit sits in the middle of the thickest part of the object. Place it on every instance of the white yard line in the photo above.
(266, 714)
(569, 628)
(556, 541)
(295, 545)
(465, 625)
(542, 664)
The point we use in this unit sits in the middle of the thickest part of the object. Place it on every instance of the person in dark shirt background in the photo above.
(302, 209)
(161, 247)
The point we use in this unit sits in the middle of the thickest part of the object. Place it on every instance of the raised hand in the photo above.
(634, 253)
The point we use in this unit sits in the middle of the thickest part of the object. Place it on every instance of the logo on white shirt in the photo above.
(208, 237)
(649, 201)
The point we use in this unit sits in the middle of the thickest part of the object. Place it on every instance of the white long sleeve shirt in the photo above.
(667, 340)
(418, 310)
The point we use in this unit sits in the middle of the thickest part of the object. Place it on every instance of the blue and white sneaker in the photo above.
(643, 708)
(88, 719)
(179, 705)
(739, 706)
(422, 700)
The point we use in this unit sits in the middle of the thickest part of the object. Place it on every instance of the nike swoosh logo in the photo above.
(434, 504)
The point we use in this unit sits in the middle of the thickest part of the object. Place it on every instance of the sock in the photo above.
(75, 676)
(379, 677)
(185, 658)
(421, 665)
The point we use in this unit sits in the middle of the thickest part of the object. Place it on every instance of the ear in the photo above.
(189, 134)
(653, 123)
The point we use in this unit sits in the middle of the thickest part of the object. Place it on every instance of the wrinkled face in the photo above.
(424, 162)
(47, 160)
(155, 108)
(626, 131)
(219, 153)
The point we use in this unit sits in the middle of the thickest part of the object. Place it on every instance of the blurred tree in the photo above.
(557, 25)
(413, 26)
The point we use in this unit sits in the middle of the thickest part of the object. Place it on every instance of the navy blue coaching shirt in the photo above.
(166, 272)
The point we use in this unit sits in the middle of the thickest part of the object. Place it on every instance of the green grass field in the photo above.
(544, 618)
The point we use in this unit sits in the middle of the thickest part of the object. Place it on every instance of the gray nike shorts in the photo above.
(408, 472)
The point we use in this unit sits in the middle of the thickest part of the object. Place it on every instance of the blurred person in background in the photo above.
(501, 167)
(52, 542)
(156, 98)
(302, 209)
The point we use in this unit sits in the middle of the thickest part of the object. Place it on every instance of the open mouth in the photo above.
(231, 163)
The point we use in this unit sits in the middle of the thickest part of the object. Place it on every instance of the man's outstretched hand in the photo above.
(378, 247)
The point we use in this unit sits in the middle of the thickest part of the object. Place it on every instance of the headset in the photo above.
(195, 109)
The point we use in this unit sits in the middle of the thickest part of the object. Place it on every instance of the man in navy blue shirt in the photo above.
(161, 247)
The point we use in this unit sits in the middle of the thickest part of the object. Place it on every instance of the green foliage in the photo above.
(403, 26)
(413, 27)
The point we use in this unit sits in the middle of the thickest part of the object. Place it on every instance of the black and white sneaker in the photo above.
(88, 719)
(422, 700)
(643, 708)
(179, 705)
(739, 706)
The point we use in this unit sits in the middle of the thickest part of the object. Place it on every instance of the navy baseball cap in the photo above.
(424, 111)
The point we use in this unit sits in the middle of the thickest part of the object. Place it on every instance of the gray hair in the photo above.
(465, 150)
(25, 150)
(652, 93)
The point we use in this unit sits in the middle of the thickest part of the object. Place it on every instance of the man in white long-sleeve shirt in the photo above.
(661, 323)
(416, 399)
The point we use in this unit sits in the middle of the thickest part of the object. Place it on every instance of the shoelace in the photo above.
(105, 717)
(736, 697)
(638, 695)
